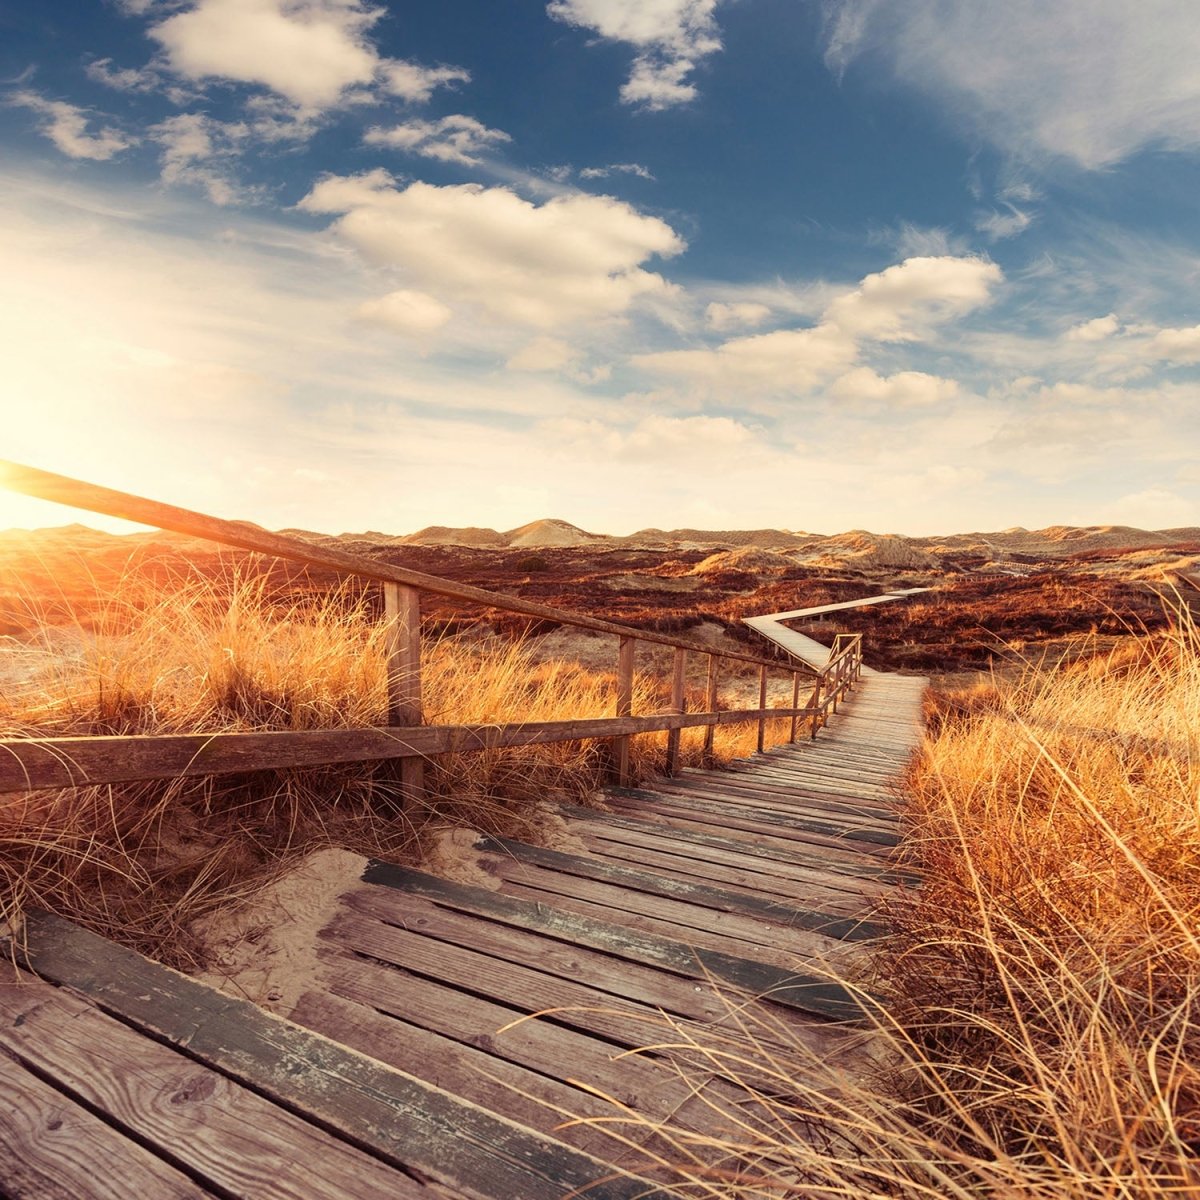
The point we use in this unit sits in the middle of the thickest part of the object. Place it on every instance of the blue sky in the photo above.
(920, 266)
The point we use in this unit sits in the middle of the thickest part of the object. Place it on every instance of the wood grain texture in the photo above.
(53, 1149)
(402, 1119)
(188, 1113)
(792, 988)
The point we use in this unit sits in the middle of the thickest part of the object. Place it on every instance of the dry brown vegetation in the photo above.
(1037, 1026)
(139, 862)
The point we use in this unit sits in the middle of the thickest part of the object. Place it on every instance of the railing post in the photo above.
(710, 705)
(625, 660)
(402, 611)
(762, 707)
(815, 704)
(795, 703)
(678, 705)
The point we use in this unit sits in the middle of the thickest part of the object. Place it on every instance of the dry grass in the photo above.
(140, 862)
(1038, 1035)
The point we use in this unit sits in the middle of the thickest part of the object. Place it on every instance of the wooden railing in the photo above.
(57, 762)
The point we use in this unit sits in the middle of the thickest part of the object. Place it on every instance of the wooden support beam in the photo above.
(814, 704)
(710, 703)
(402, 610)
(795, 703)
(678, 705)
(625, 665)
(762, 704)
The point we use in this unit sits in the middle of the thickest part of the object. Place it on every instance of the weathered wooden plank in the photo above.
(758, 870)
(530, 1097)
(794, 989)
(56, 762)
(62, 489)
(794, 816)
(611, 978)
(191, 1115)
(400, 1118)
(641, 801)
(701, 832)
(52, 1149)
(825, 797)
(702, 896)
(482, 1002)
(726, 933)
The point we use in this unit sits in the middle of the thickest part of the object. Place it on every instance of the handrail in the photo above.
(31, 481)
(29, 763)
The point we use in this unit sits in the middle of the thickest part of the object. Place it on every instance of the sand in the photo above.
(265, 950)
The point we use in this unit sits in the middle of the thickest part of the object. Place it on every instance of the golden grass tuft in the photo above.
(1037, 1032)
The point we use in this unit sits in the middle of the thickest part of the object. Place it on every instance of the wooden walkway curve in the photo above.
(457, 1028)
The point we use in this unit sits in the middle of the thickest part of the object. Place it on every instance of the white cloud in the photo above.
(413, 313)
(905, 389)
(315, 53)
(66, 125)
(787, 360)
(1091, 80)
(998, 225)
(456, 138)
(543, 354)
(670, 37)
(194, 146)
(1177, 345)
(576, 257)
(721, 316)
(901, 302)
(122, 79)
(616, 169)
(415, 83)
(1095, 330)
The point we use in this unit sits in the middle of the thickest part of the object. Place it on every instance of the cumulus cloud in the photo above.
(735, 314)
(1095, 330)
(905, 389)
(669, 36)
(412, 313)
(1153, 508)
(456, 138)
(1090, 80)
(314, 53)
(900, 303)
(66, 125)
(1177, 345)
(575, 257)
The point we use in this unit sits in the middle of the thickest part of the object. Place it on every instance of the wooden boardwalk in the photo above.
(416, 1066)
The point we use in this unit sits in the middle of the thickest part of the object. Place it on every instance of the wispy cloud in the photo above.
(1093, 81)
(457, 138)
(67, 126)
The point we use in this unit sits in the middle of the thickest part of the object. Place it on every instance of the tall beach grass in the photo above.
(140, 861)
(1032, 1027)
